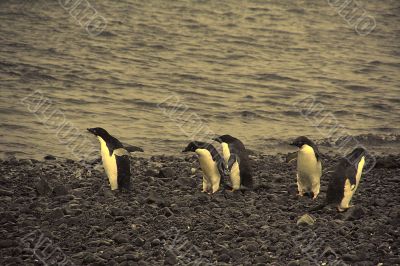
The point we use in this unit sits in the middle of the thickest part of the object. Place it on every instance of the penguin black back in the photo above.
(346, 168)
(194, 145)
(112, 143)
(237, 147)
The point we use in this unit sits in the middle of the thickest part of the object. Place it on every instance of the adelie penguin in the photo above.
(309, 167)
(115, 159)
(211, 163)
(344, 181)
(237, 160)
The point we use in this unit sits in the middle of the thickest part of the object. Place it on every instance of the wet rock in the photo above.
(42, 187)
(49, 157)
(306, 219)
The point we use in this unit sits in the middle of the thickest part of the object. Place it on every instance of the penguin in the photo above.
(237, 160)
(309, 166)
(345, 180)
(211, 163)
(115, 159)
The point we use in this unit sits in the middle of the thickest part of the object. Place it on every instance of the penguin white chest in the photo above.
(109, 164)
(309, 170)
(210, 170)
(226, 151)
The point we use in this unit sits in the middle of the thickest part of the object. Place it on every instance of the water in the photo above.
(238, 66)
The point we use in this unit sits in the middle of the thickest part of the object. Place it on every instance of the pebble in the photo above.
(49, 157)
(306, 219)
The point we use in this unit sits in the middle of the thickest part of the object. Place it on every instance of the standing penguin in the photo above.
(309, 167)
(237, 160)
(344, 180)
(211, 163)
(115, 159)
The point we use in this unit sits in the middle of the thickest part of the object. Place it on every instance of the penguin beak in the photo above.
(292, 144)
(91, 130)
(184, 150)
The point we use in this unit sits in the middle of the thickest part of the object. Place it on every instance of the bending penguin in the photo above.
(237, 162)
(344, 181)
(309, 167)
(211, 163)
(115, 159)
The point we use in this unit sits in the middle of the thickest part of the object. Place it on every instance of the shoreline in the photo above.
(71, 204)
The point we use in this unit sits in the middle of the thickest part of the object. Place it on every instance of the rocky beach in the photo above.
(62, 212)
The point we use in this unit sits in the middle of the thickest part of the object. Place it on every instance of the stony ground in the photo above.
(166, 220)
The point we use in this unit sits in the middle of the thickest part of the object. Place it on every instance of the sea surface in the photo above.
(163, 72)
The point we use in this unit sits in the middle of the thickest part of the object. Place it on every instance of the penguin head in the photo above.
(194, 145)
(225, 138)
(99, 132)
(300, 141)
(355, 155)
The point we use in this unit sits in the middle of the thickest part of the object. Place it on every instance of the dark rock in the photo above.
(60, 190)
(349, 257)
(252, 246)
(120, 238)
(380, 202)
(139, 242)
(170, 258)
(354, 213)
(224, 258)
(7, 243)
(4, 192)
(153, 198)
(49, 157)
(116, 211)
(167, 212)
(55, 214)
(167, 172)
(155, 242)
(187, 181)
(42, 187)
(150, 172)
(133, 256)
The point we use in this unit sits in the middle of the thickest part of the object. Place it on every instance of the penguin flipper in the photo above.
(131, 148)
(124, 172)
(351, 173)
